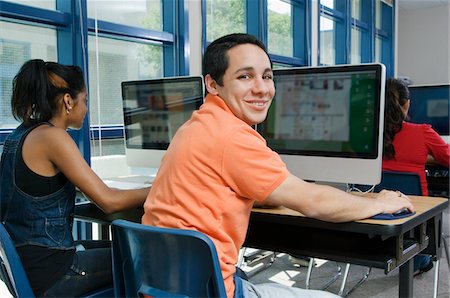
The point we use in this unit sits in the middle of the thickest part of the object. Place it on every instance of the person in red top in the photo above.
(408, 146)
(217, 166)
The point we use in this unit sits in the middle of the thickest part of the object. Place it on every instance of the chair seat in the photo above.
(164, 262)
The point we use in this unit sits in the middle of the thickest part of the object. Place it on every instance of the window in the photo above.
(224, 17)
(280, 39)
(327, 41)
(124, 42)
(141, 13)
(46, 4)
(282, 25)
(356, 31)
(19, 43)
(356, 35)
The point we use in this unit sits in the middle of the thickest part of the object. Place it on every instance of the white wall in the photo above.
(424, 44)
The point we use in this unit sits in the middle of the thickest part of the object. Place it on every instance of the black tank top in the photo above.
(33, 183)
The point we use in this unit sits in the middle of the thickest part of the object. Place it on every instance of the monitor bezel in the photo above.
(150, 157)
(427, 87)
(378, 68)
(155, 81)
(345, 169)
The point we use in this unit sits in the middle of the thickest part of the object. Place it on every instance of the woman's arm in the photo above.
(53, 147)
(438, 148)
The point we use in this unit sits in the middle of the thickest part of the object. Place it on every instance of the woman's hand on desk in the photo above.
(393, 201)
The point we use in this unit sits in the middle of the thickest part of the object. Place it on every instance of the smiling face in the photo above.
(247, 85)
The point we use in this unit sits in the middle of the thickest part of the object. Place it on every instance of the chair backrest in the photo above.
(407, 183)
(12, 272)
(164, 262)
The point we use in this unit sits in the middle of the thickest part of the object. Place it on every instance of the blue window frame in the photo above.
(340, 14)
(72, 26)
(256, 24)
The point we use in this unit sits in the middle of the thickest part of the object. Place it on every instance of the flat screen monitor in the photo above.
(153, 111)
(430, 104)
(327, 122)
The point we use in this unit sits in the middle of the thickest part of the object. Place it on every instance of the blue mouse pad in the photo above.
(389, 216)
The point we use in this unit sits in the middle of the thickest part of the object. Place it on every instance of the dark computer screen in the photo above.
(154, 109)
(430, 104)
(326, 111)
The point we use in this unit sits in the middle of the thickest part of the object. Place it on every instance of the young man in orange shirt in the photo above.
(217, 166)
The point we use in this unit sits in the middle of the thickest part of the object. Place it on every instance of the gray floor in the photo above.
(288, 271)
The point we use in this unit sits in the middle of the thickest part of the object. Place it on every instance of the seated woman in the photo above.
(407, 147)
(40, 168)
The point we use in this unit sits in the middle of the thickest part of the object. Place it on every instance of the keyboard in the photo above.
(130, 182)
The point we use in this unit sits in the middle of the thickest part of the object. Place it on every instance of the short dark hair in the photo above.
(38, 87)
(215, 59)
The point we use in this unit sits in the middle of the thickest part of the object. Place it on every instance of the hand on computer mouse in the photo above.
(394, 201)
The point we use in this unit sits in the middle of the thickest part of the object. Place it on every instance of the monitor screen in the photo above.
(327, 122)
(430, 104)
(153, 111)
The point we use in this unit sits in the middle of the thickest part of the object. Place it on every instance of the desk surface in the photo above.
(425, 208)
(386, 244)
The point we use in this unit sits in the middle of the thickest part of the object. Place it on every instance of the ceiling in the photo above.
(420, 4)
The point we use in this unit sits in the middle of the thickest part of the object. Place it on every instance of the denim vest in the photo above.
(45, 221)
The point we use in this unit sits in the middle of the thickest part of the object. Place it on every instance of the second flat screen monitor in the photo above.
(327, 122)
(153, 111)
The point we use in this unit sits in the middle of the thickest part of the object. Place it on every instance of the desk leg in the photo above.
(406, 278)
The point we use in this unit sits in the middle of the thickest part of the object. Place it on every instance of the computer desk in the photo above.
(385, 244)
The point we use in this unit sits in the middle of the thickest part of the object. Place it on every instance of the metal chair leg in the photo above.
(330, 282)
(241, 257)
(444, 241)
(436, 279)
(344, 279)
(360, 282)
(308, 273)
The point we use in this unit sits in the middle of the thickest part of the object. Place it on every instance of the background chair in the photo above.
(13, 274)
(405, 182)
(409, 184)
(164, 262)
(11, 269)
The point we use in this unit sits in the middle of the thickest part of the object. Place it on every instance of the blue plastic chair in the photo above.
(13, 274)
(164, 262)
(407, 183)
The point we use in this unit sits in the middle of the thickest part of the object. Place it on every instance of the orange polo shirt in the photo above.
(215, 168)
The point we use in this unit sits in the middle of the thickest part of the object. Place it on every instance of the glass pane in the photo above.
(279, 28)
(356, 9)
(378, 14)
(281, 66)
(378, 47)
(108, 147)
(138, 13)
(327, 3)
(327, 44)
(117, 61)
(19, 43)
(355, 57)
(224, 17)
(47, 4)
